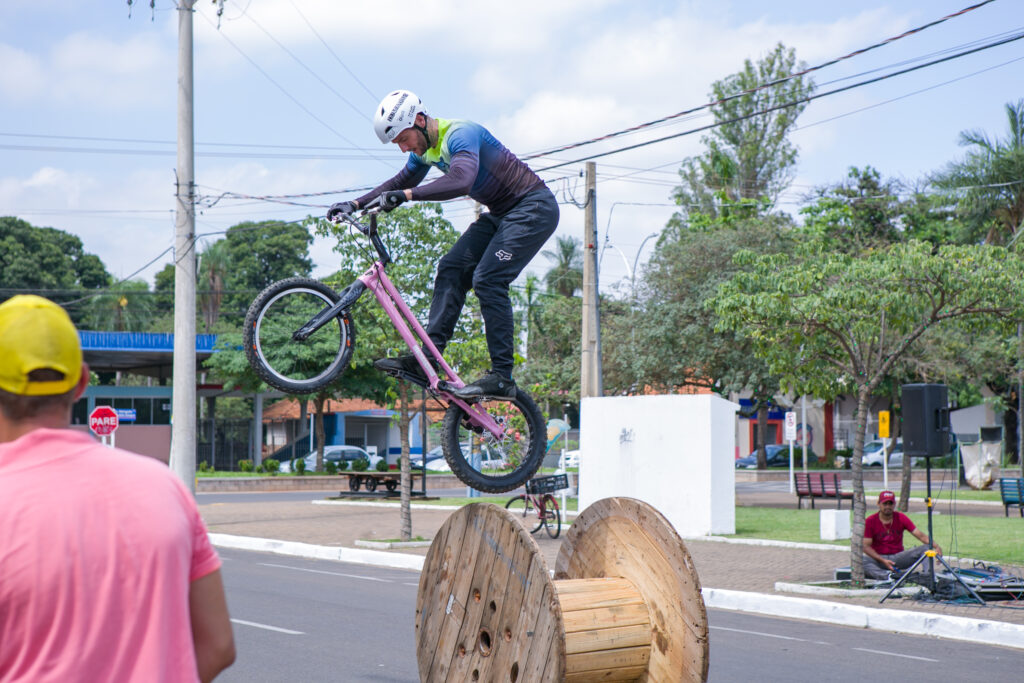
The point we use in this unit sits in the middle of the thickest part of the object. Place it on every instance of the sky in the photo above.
(285, 89)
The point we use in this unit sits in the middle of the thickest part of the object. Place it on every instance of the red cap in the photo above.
(886, 496)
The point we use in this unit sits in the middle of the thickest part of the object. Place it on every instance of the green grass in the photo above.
(993, 539)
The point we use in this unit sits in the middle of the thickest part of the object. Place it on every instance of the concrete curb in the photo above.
(376, 558)
(901, 621)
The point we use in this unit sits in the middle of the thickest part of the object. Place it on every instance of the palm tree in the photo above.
(126, 308)
(566, 277)
(988, 182)
(213, 268)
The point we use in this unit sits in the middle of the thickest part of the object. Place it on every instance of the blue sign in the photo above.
(126, 414)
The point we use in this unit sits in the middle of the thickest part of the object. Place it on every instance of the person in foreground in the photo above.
(522, 214)
(883, 540)
(106, 572)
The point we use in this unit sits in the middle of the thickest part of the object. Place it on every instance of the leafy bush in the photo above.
(205, 467)
(299, 466)
(360, 464)
(271, 465)
(331, 467)
(259, 468)
(245, 465)
(381, 465)
(342, 465)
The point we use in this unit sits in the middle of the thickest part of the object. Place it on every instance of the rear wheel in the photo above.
(296, 366)
(522, 507)
(552, 518)
(495, 464)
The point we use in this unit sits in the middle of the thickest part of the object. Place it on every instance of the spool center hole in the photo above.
(485, 642)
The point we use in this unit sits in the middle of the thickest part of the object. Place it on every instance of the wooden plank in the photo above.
(436, 583)
(599, 662)
(584, 620)
(596, 640)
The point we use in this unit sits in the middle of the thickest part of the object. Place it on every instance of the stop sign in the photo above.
(103, 420)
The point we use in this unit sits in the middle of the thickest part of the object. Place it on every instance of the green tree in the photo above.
(127, 307)
(258, 255)
(749, 158)
(214, 269)
(49, 262)
(863, 212)
(987, 185)
(831, 323)
(565, 277)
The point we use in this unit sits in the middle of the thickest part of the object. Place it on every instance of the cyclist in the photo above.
(522, 214)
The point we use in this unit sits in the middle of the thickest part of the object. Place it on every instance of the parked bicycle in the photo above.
(299, 338)
(539, 501)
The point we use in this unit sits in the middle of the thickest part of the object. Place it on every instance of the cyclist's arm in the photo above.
(456, 183)
(410, 176)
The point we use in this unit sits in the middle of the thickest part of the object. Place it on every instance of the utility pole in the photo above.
(183, 406)
(590, 370)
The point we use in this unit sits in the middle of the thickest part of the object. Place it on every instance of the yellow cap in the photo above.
(37, 334)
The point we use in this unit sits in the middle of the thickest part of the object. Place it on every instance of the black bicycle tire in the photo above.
(253, 352)
(527, 509)
(551, 503)
(452, 448)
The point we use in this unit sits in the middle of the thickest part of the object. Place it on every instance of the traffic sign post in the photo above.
(103, 422)
(791, 437)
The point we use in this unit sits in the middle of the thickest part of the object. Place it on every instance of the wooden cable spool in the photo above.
(624, 604)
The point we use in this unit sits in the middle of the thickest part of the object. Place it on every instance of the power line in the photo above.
(763, 86)
(333, 53)
(793, 103)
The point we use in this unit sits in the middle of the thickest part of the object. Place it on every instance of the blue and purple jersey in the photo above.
(474, 163)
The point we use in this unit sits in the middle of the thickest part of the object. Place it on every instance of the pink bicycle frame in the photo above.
(377, 281)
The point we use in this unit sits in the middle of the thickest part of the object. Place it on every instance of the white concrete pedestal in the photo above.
(675, 452)
(835, 525)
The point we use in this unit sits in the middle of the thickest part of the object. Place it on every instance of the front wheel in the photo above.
(522, 508)
(551, 517)
(296, 366)
(492, 464)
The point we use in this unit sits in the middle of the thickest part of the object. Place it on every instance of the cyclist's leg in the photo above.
(455, 277)
(521, 233)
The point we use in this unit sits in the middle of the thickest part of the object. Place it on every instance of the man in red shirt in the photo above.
(883, 540)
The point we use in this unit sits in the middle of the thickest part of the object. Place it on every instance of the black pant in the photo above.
(487, 258)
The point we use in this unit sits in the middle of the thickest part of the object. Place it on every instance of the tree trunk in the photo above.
(857, 467)
(895, 429)
(318, 403)
(405, 515)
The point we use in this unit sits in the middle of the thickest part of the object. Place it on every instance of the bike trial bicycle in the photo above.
(299, 338)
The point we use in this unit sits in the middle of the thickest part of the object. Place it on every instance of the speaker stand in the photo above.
(930, 554)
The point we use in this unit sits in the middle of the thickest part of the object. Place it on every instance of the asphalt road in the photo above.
(309, 620)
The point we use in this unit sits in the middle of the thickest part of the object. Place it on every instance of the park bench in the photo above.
(1012, 491)
(811, 485)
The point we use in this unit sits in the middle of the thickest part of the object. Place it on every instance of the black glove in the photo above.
(340, 209)
(391, 200)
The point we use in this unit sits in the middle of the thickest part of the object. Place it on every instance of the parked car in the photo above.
(335, 454)
(572, 458)
(776, 455)
(437, 463)
(873, 453)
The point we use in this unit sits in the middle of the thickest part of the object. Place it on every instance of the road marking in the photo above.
(769, 635)
(895, 654)
(267, 627)
(320, 571)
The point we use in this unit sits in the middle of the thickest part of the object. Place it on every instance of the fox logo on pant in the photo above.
(503, 255)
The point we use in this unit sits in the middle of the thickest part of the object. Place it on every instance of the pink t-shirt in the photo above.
(97, 550)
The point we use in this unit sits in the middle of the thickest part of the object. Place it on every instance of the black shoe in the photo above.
(491, 385)
(404, 367)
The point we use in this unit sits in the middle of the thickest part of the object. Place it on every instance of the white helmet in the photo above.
(396, 112)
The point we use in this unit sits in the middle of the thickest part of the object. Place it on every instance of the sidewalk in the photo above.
(734, 575)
